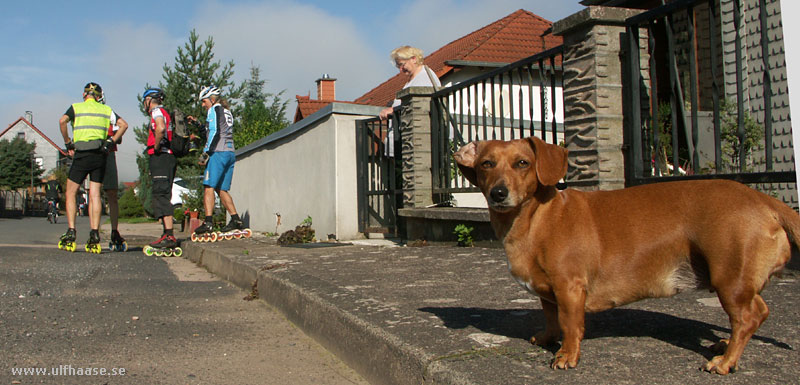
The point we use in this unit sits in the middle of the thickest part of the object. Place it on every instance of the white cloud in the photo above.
(293, 45)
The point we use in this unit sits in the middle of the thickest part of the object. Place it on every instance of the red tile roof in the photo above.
(512, 38)
(307, 106)
(62, 151)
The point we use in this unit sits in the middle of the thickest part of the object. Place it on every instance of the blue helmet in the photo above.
(153, 93)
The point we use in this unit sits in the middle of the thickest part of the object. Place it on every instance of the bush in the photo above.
(129, 205)
(464, 234)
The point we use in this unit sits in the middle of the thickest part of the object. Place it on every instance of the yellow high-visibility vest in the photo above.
(91, 121)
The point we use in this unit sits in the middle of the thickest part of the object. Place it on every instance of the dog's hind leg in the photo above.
(746, 311)
(552, 331)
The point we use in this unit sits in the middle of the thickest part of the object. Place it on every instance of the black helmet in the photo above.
(154, 93)
(93, 89)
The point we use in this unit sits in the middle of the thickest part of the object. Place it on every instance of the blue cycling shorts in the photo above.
(219, 170)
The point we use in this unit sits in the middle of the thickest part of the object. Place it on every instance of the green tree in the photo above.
(129, 206)
(16, 161)
(193, 69)
(732, 144)
(262, 113)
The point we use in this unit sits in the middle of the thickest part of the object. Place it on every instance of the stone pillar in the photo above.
(593, 97)
(415, 140)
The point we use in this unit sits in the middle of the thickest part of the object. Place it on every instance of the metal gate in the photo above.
(379, 191)
(696, 108)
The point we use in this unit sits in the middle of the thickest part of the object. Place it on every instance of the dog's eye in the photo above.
(522, 164)
(487, 164)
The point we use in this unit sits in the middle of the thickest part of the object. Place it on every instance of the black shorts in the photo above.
(92, 163)
(110, 181)
(162, 172)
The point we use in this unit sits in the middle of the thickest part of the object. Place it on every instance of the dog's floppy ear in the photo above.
(551, 161)
(465, 158)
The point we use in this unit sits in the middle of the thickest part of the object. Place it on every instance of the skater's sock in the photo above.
(209, 219)
(235, 217)
(168, 232)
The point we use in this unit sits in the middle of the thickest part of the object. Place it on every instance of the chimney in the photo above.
(29, 116)
(326, 88)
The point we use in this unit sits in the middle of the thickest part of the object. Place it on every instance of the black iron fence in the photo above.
(379, 188)
(519, 100)
(689, 101)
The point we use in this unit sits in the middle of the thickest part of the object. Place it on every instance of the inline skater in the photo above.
(219, 158)
(88, 148)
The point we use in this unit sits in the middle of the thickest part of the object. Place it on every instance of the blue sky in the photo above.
(52, 48)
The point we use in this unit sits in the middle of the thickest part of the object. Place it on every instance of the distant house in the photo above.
(47, 154)
(326, 94)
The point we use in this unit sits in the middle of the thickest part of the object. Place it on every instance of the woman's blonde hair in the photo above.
(407, 52)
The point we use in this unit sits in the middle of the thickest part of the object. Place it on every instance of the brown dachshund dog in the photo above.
(592, 251)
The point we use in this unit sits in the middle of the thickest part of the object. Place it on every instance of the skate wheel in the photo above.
(194, 237)
(214, 237)
(124, 247)
(159, 253)
(111, 246)
(248, 233)
(148, 251)
(178, 252)
(228, 237)
(167, 253)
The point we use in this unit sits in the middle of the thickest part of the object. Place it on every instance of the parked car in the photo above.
(179, 187)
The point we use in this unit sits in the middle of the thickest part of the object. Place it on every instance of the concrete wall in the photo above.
(307, 169)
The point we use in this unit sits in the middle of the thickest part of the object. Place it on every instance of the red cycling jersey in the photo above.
(151, 137)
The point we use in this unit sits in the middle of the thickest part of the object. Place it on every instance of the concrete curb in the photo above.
(380, 357)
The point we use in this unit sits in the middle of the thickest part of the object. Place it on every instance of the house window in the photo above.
(39, 161)
(21, 135)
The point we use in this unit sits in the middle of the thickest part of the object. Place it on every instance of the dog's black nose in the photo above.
(499, 193)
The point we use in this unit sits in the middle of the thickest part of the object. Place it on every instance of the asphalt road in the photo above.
(140, 319)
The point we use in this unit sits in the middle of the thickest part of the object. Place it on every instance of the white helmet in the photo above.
(206, 92)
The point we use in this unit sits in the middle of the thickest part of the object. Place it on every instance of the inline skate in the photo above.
(117, 243)
(166, 246)
(233, 230)
(67, 241)
(93, 244)
(204, 233)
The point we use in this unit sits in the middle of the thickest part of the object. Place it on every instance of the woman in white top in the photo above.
(409, 61)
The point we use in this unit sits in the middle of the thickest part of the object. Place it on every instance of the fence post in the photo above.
(415, 140)
(593, 96)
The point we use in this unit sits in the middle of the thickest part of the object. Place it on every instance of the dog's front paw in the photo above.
(565, 360)
(718, 365)
(544, 338)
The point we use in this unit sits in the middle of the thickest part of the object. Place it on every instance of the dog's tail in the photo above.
(790, 221)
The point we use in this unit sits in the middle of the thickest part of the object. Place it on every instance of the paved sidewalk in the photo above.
(450, 315)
